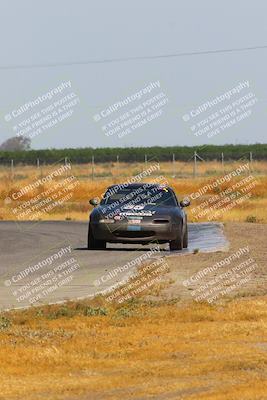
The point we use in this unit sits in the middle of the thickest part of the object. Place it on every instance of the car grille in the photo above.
(134, 234)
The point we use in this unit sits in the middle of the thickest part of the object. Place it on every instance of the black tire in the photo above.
(185, 240)
(94, 244)
(177, 244)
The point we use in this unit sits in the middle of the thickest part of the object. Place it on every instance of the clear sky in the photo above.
(46, 43)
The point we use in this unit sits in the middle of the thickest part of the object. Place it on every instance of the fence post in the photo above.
(223, 161)
(117, 171)
(93, 168)
(173, 165)
(195, 164)
(250, 161)
(66, 163)
(12, 169)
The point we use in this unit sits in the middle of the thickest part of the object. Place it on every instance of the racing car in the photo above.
(138, 213)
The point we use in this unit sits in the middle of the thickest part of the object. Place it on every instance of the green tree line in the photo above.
(134, 154)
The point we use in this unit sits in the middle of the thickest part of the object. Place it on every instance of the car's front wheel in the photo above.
(185, 241)
(178, 243)
(94, 244)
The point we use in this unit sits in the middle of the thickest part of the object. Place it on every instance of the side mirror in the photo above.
(94, 202)
(185, 203)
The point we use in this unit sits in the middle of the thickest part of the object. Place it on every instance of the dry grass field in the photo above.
(138, 350)
(178, 175)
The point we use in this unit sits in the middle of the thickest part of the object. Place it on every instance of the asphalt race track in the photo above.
(52, 258)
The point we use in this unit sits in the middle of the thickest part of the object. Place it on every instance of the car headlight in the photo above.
(106, 221)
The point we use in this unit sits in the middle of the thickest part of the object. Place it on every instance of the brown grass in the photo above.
(136, 350)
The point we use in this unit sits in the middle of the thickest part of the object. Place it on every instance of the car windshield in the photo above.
(140, 196)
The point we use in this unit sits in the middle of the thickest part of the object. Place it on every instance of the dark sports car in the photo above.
(138, 213)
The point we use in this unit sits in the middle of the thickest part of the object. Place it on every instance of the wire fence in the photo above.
(195, 166)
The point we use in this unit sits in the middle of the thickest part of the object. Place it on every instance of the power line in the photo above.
(127, 59)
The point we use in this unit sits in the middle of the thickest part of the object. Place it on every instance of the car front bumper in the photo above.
(123, 232)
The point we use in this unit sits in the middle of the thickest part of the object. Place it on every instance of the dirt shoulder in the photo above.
(248, 238)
